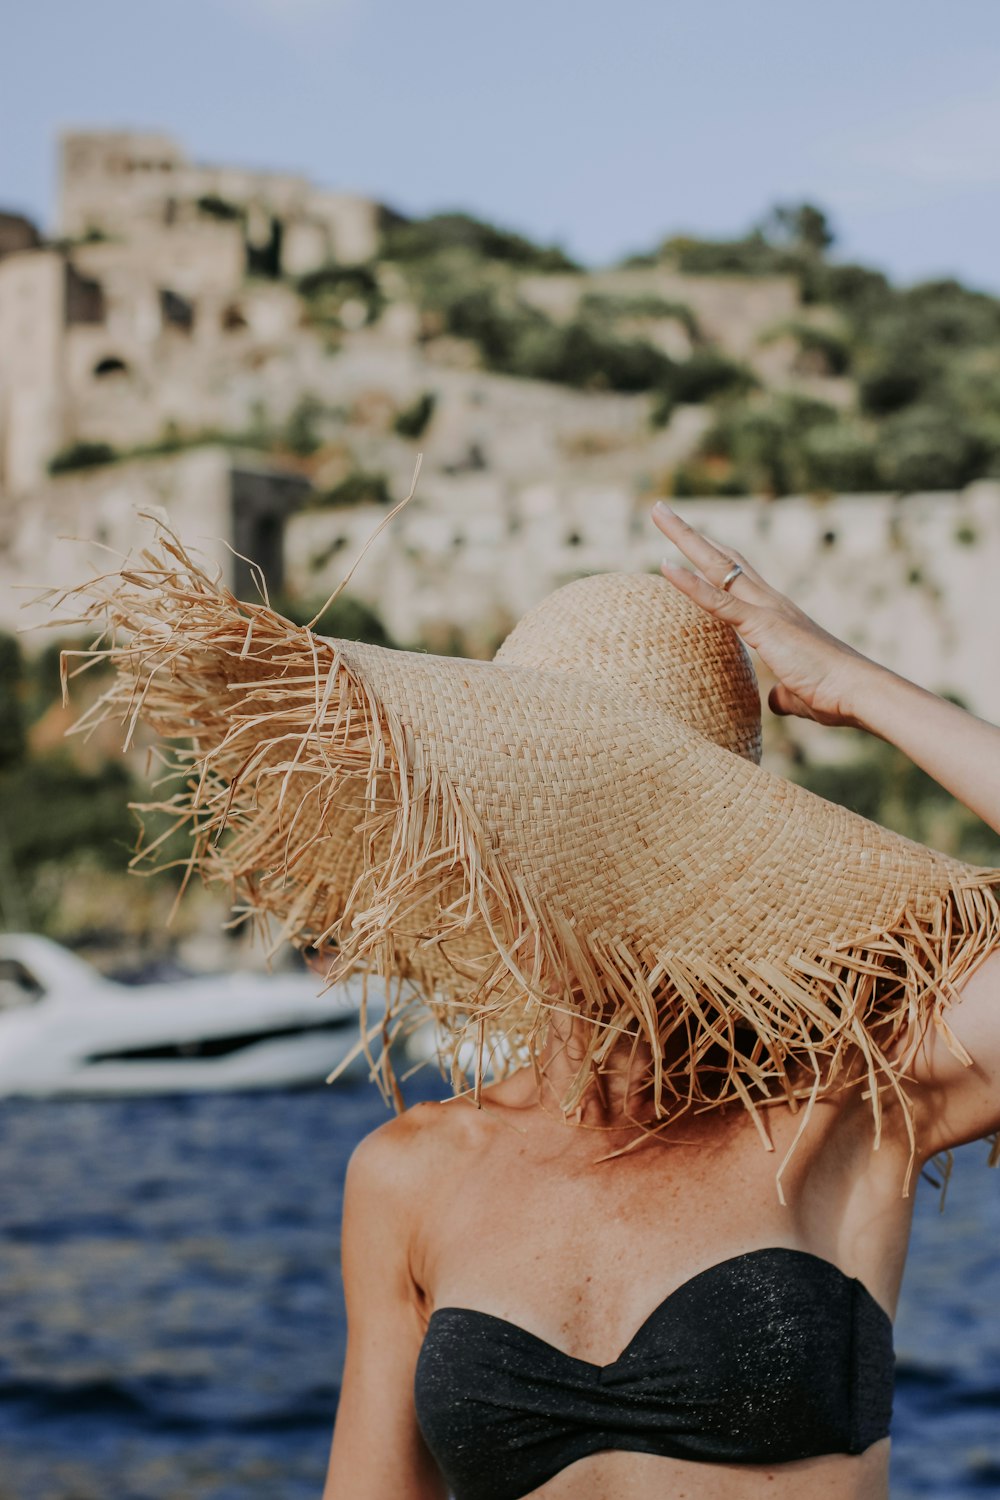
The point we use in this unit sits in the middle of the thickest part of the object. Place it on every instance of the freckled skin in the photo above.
(579, 1252)
(505, 1210)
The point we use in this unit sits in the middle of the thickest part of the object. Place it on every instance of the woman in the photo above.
(503, 1211)
(660, 1257)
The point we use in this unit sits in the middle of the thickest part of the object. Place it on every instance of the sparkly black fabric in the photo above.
(764, 1358)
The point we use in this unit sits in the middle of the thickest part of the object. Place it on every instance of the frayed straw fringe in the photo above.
(307, 797)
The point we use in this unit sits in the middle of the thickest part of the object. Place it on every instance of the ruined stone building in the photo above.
(158, 264)
(166, 316)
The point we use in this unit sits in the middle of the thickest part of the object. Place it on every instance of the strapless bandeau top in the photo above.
(768, 1357)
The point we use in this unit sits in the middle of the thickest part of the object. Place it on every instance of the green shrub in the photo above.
(751, 255)
(756, 444)
(578, 355)
(412, 420)
(51, 809)
(699, 479)
(326, 289)
(895, 382)
(516, 339)
(765, 443)
(708, 374)
(830, 347)
(346, 619)
(884, 785)
(971, 383)
(925, 448)
(926, 360)
(42, 674)
(839, 456)
(641, 260)
(300, 432)
(82, 455)
(853, 289)
(944, 314)
(801, 227)
(496, 325)
(613, 307)
(357, 280)
(422, 238)
(358, 488)
(60, 826)
(704, 377)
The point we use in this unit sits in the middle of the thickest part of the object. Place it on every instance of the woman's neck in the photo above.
(618, 1094)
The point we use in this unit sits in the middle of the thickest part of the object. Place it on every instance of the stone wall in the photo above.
(110, 179)
(158, 331)
(17, 233)
(121, 182)
(94, 350)
(908, 580)
(732, 311)
(80, 524)
(32, 341)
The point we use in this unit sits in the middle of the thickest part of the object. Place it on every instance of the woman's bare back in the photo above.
(504, 1210)
(517, 1220)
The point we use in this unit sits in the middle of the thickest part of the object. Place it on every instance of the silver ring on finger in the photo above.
(734, 572)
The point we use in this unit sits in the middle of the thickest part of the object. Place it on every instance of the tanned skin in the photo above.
(504, 1208)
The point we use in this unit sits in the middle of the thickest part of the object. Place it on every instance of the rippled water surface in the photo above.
(171, 1324)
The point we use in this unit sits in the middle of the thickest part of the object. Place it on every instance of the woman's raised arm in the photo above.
(820, 677)
(378, 1450)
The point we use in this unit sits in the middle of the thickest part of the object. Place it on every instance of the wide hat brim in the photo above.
(580, 824)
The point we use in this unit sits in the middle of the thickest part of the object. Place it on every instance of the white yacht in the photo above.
(65, 1029)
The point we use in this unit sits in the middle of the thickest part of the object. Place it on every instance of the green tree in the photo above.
(301, 433)
(82, 455)
(801, 227)
(928, 448)
(358, 488)
(347, 619)
(412, 421)
(419, 238)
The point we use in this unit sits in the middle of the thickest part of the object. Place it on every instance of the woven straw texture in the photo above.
(580, 824)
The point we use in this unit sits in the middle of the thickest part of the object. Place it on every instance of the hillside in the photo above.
(756, 365)
(862, 386)
(264, 361)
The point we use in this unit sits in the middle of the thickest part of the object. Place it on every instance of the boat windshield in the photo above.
(18, 986)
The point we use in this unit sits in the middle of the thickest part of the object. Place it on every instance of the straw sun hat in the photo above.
(581, 824)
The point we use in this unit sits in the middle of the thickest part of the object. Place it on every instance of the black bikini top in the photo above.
(764, 1358)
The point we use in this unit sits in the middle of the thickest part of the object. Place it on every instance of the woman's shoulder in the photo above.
(423, 1141)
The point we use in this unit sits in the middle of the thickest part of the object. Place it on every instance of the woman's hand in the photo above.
(817, 676)
(821, 678)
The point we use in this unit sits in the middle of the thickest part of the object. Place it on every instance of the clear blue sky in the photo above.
(600, 126)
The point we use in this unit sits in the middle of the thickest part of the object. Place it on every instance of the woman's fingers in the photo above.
(813, 670)
(717, 601)
(696, 548)
(715, 562)
(781, 700)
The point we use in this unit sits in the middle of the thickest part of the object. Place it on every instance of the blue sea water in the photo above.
(171, 1323)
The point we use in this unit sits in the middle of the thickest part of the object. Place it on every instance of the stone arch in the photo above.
(111, 364)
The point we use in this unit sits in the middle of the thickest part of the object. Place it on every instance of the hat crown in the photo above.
(643, 634)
